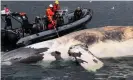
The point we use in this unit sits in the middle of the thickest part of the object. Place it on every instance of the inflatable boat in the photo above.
(69, 25)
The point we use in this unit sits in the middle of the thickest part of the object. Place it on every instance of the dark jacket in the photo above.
(77, 14)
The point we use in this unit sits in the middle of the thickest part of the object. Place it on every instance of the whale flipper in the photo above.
(84, 57)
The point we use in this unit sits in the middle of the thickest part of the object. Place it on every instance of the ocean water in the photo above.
(105, 13)
(113, 69)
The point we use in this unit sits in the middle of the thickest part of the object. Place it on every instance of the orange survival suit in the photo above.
(50, 14)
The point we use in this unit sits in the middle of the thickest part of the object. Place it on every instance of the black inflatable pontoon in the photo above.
(87, 15)
(69, 25)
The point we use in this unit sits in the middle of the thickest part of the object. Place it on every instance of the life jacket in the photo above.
(49, 14)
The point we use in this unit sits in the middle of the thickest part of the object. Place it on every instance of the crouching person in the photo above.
(78, 14)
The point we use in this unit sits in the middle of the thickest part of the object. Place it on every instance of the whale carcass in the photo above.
(86, 47)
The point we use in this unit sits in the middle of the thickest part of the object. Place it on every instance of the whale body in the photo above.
(86, 47)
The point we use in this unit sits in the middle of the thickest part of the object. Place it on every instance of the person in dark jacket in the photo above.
(7, 17)
(77, 13)
(8, 21)
(25, 22)
(37, 25)
(24, 18)
(59, 19)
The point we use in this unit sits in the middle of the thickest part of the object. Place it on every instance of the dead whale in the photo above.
(85, 46)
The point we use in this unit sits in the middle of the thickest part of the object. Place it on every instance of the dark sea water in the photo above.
(104, 15)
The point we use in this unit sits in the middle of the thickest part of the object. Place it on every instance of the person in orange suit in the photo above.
(50, 14)
(56, 6)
